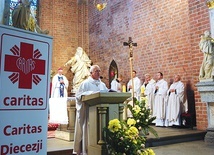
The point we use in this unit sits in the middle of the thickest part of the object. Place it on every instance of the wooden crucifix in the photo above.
(131, 44)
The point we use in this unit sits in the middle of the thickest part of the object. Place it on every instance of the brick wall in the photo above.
(167, 34)
(66, 21)
(199, 22)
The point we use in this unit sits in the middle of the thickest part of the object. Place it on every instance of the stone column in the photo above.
(102, 111)
(206, 90)
(1, 11)
(6, 12)
(206, 87)
(121, 111)
(71, 114)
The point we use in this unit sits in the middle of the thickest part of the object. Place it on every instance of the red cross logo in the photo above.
(25, 65)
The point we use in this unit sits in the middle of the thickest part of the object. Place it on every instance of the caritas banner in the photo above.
(25, 60)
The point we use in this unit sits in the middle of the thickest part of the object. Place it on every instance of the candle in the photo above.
(124, 89)
(142, 89)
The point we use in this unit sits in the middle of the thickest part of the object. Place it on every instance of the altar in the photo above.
(62, 112)
(102, 108)
(58, 111)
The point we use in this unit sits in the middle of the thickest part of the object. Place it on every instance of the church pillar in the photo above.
(6, 12)
(206, 90)
(1, 11)
(83, 40)
(206, 87)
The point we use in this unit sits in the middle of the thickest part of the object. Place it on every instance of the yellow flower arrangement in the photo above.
(145, 99)
(136, 109)
(147, 152)
(114, 125)
(122, 138)
(131, 122)
(142, 115)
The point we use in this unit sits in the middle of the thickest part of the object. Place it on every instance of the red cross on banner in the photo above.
(25, 65)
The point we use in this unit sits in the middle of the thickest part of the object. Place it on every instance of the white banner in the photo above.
(25, 60)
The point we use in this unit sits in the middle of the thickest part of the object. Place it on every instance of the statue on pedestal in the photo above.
(207, 47)
(23, 18)
(80, 64)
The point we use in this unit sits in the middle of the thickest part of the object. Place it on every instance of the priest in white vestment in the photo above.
(175, 100)
(137, 85)
(59, 85)
(58, 101)
(160, 92)
(116, 84)
(91, 85)
(148, 87)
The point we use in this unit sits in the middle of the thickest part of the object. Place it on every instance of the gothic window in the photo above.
(113, 71)
(34, 8)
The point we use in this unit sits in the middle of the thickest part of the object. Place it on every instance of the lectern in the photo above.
(102, 108)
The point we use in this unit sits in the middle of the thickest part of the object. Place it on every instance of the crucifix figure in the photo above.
(131, 44)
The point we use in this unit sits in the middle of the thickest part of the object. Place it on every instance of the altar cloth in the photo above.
(58, 110)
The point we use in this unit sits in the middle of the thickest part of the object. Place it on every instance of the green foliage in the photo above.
(143, 116)
(123, 137)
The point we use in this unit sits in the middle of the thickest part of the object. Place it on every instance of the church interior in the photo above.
(166, 35)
